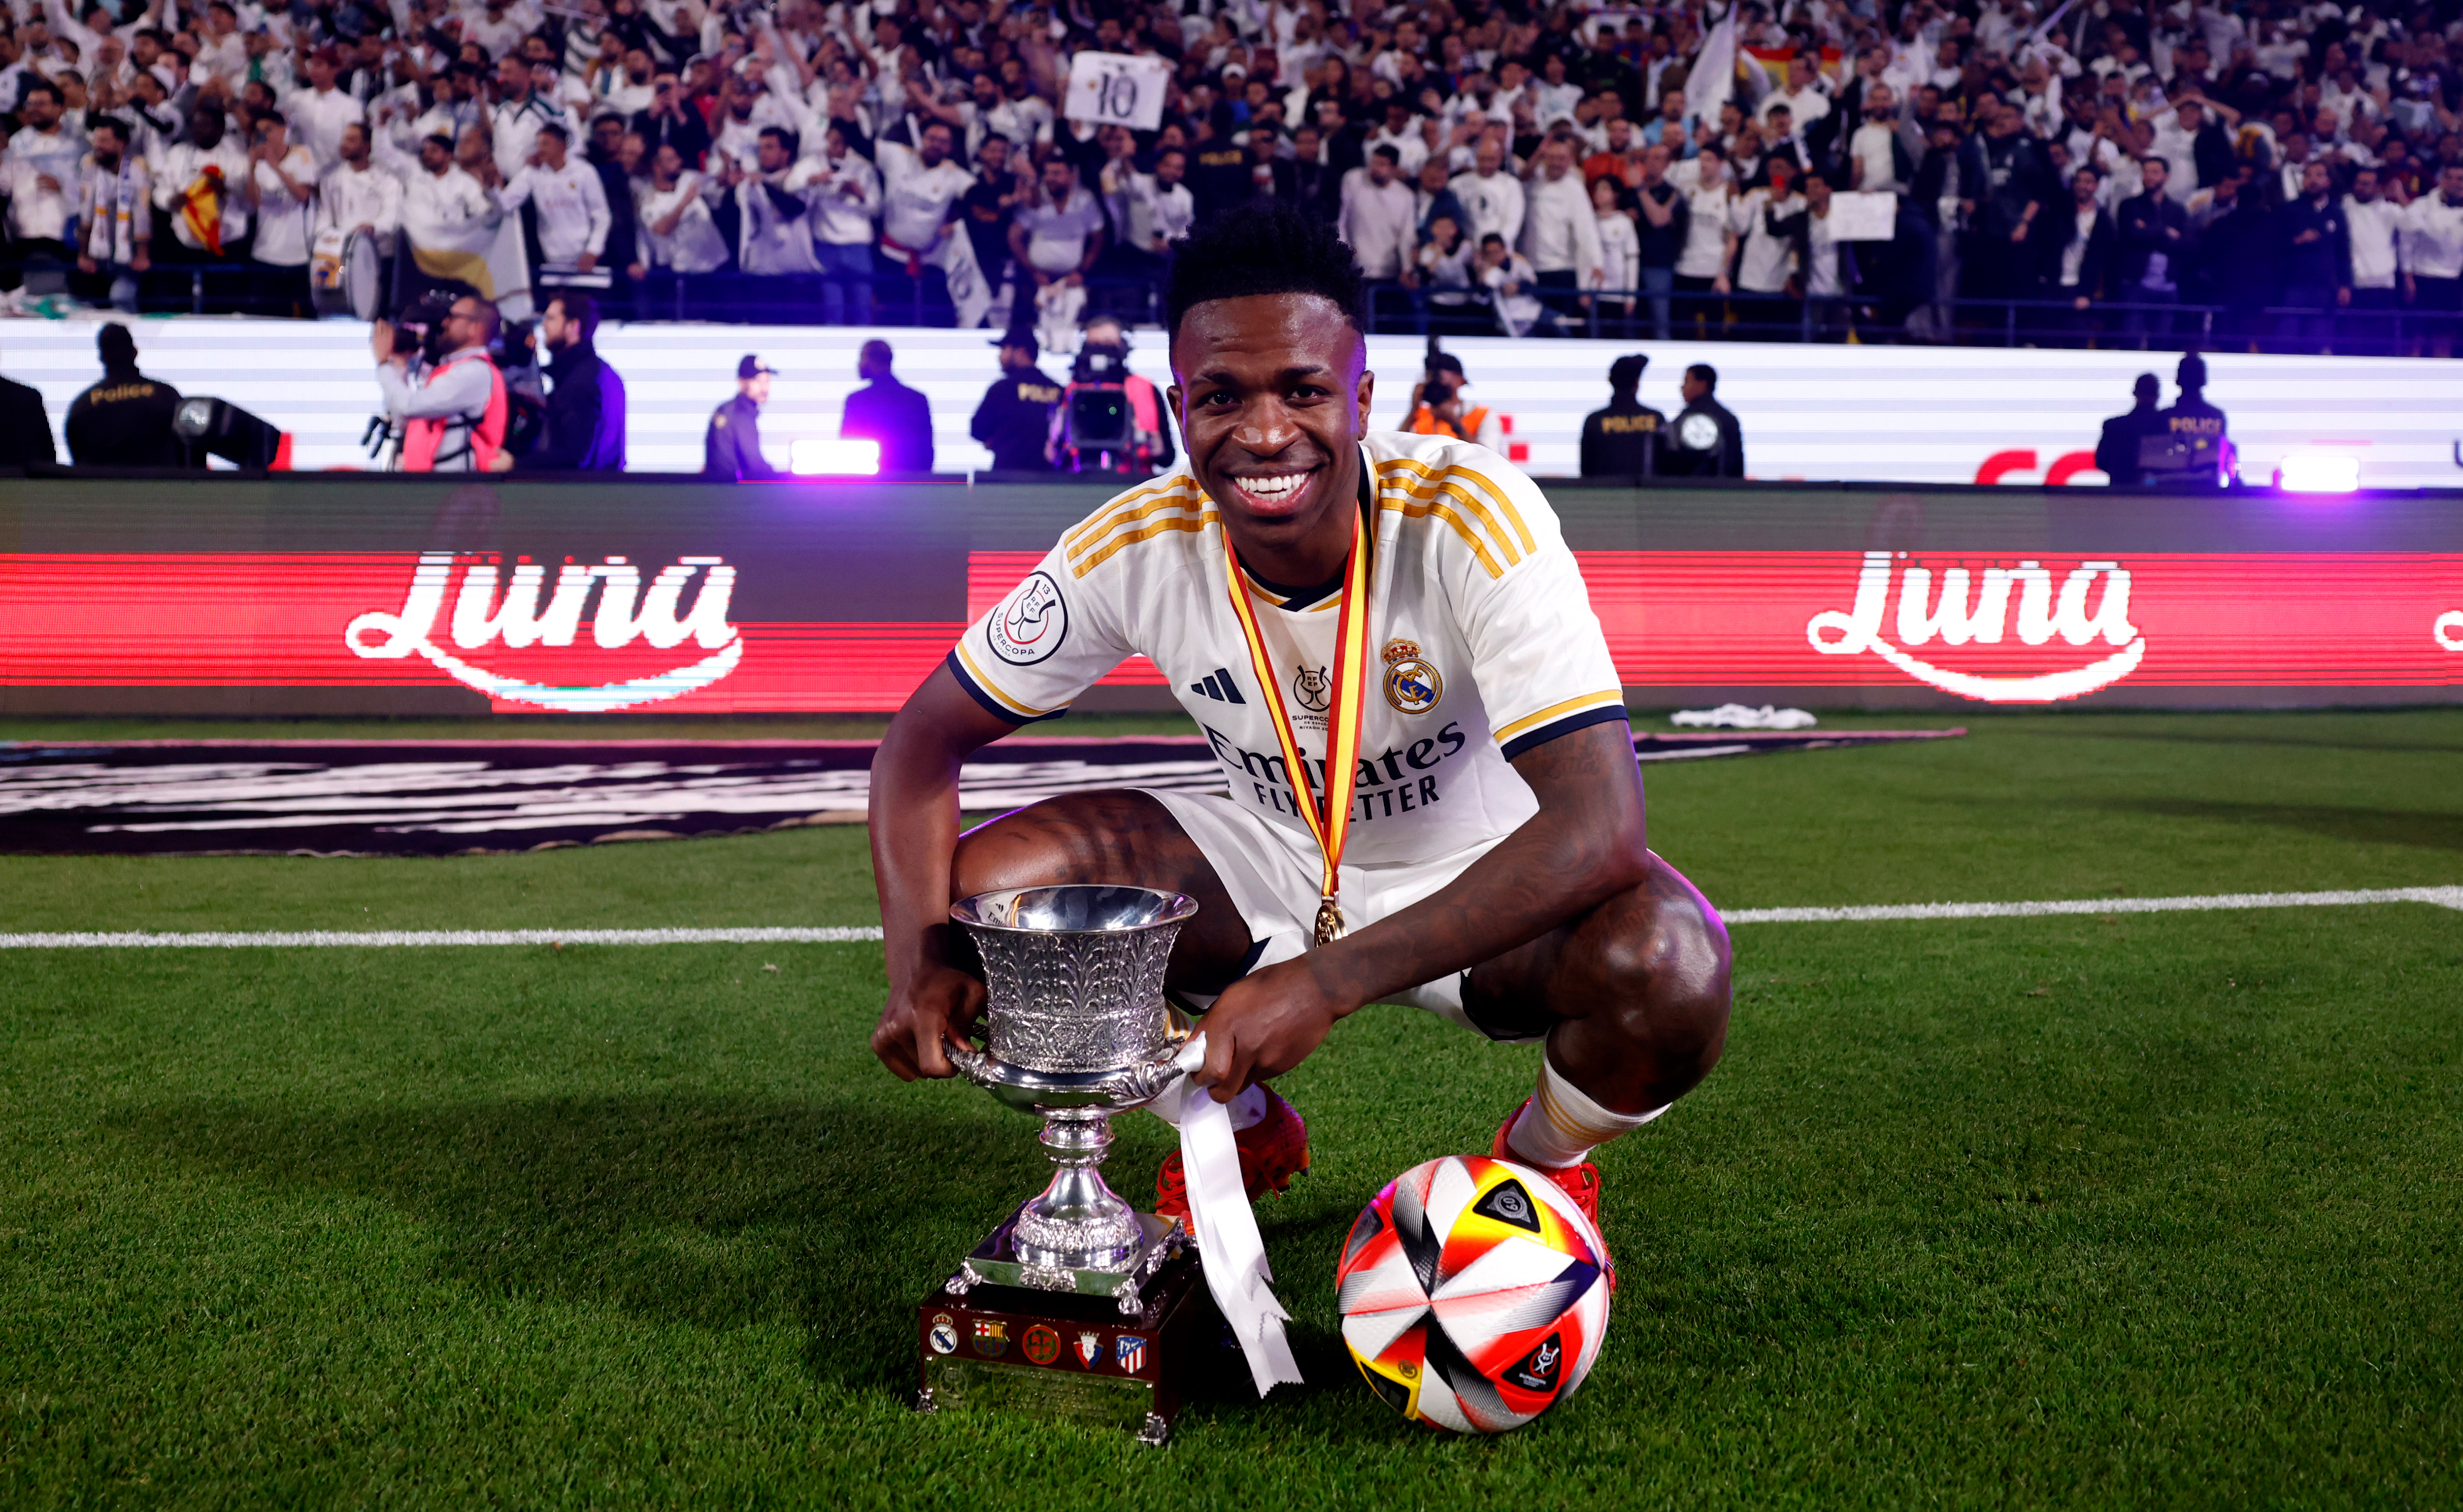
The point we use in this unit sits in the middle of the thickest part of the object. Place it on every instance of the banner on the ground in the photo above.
(425, 797)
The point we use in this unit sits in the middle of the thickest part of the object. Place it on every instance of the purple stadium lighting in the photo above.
(855, 457)
(2317, 472)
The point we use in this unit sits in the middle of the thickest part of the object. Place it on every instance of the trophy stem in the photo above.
(1076, 1137)
(1077, 1223)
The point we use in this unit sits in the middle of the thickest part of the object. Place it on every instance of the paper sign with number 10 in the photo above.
(1115, 90)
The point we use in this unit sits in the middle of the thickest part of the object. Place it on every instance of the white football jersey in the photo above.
(1481, 630)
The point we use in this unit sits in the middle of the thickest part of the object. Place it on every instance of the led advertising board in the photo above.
(404, 597)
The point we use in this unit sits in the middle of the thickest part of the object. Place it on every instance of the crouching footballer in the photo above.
(1433, 793)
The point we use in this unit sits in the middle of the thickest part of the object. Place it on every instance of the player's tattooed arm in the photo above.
(1587, 843)
(914, 819)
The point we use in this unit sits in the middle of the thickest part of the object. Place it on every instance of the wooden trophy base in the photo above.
(1070, 1356)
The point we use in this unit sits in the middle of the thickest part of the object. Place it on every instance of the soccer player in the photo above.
(1475, 847)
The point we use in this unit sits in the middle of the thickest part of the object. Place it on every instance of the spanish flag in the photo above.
(200, 208)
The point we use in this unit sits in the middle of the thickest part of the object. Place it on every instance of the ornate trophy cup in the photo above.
(1075, 1305)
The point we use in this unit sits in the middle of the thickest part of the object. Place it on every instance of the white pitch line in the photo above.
(1877, 913)
(2207, 903)
(282, 940)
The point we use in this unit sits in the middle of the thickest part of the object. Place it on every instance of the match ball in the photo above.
(1473, 1294)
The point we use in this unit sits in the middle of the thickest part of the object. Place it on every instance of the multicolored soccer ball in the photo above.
(1473, 1294)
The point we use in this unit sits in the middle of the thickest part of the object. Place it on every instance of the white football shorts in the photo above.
(1272, 877)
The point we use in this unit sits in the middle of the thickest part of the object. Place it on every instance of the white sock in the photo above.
(1561, 1124)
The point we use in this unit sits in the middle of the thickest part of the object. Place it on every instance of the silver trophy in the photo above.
(1077, 1030)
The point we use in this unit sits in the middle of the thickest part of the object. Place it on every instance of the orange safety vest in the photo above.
(1425, 423)
(422, 436)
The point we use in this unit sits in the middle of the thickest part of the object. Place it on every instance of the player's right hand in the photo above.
(936, 1007)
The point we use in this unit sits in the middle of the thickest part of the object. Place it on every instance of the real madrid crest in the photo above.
(1411, 684)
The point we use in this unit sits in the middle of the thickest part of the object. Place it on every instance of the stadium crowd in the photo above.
(2267, 174)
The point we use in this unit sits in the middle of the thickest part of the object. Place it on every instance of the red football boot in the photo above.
(1580, 1182)
(1272, 1149)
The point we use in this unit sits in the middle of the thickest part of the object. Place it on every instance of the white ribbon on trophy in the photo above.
(1226, 1229)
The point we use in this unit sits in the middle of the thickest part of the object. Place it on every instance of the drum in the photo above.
(344, 275)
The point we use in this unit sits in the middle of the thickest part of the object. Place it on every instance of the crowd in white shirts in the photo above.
(2141, 167)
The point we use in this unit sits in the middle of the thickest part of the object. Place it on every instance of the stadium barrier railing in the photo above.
(241, 288)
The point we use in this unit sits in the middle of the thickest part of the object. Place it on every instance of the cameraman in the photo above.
(450, 408)
(1442, 412)
(1438, 408)
(1141, 448)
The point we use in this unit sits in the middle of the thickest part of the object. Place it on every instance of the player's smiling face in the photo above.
(1273, 395)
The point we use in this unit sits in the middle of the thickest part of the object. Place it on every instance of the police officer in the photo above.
(125, 419)
(1622, 439)
(2190, 416)
(1704, 441)
(2117, 452)
(732, 448)
(1014, 420)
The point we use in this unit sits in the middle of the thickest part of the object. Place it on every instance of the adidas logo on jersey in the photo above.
(1219, 687)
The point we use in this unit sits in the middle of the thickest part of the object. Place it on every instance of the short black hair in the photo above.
(1704, 374)
(1276, 250)
(788, 142)
(579, 308)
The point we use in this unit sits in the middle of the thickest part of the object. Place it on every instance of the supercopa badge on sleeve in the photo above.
(1030, 623)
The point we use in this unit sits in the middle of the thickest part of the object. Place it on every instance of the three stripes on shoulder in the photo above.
(1472, 503)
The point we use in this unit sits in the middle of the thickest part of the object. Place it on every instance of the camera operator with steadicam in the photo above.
(1109, 420)
(448, 412)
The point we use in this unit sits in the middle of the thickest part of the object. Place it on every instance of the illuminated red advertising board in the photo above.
(726, 625)
(610, 635)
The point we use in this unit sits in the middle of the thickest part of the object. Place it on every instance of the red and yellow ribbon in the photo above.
(1324, 808)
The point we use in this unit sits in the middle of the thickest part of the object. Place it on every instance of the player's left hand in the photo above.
(1264, 1024)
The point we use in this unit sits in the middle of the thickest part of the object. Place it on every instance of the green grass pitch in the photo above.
(2085, 1211)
